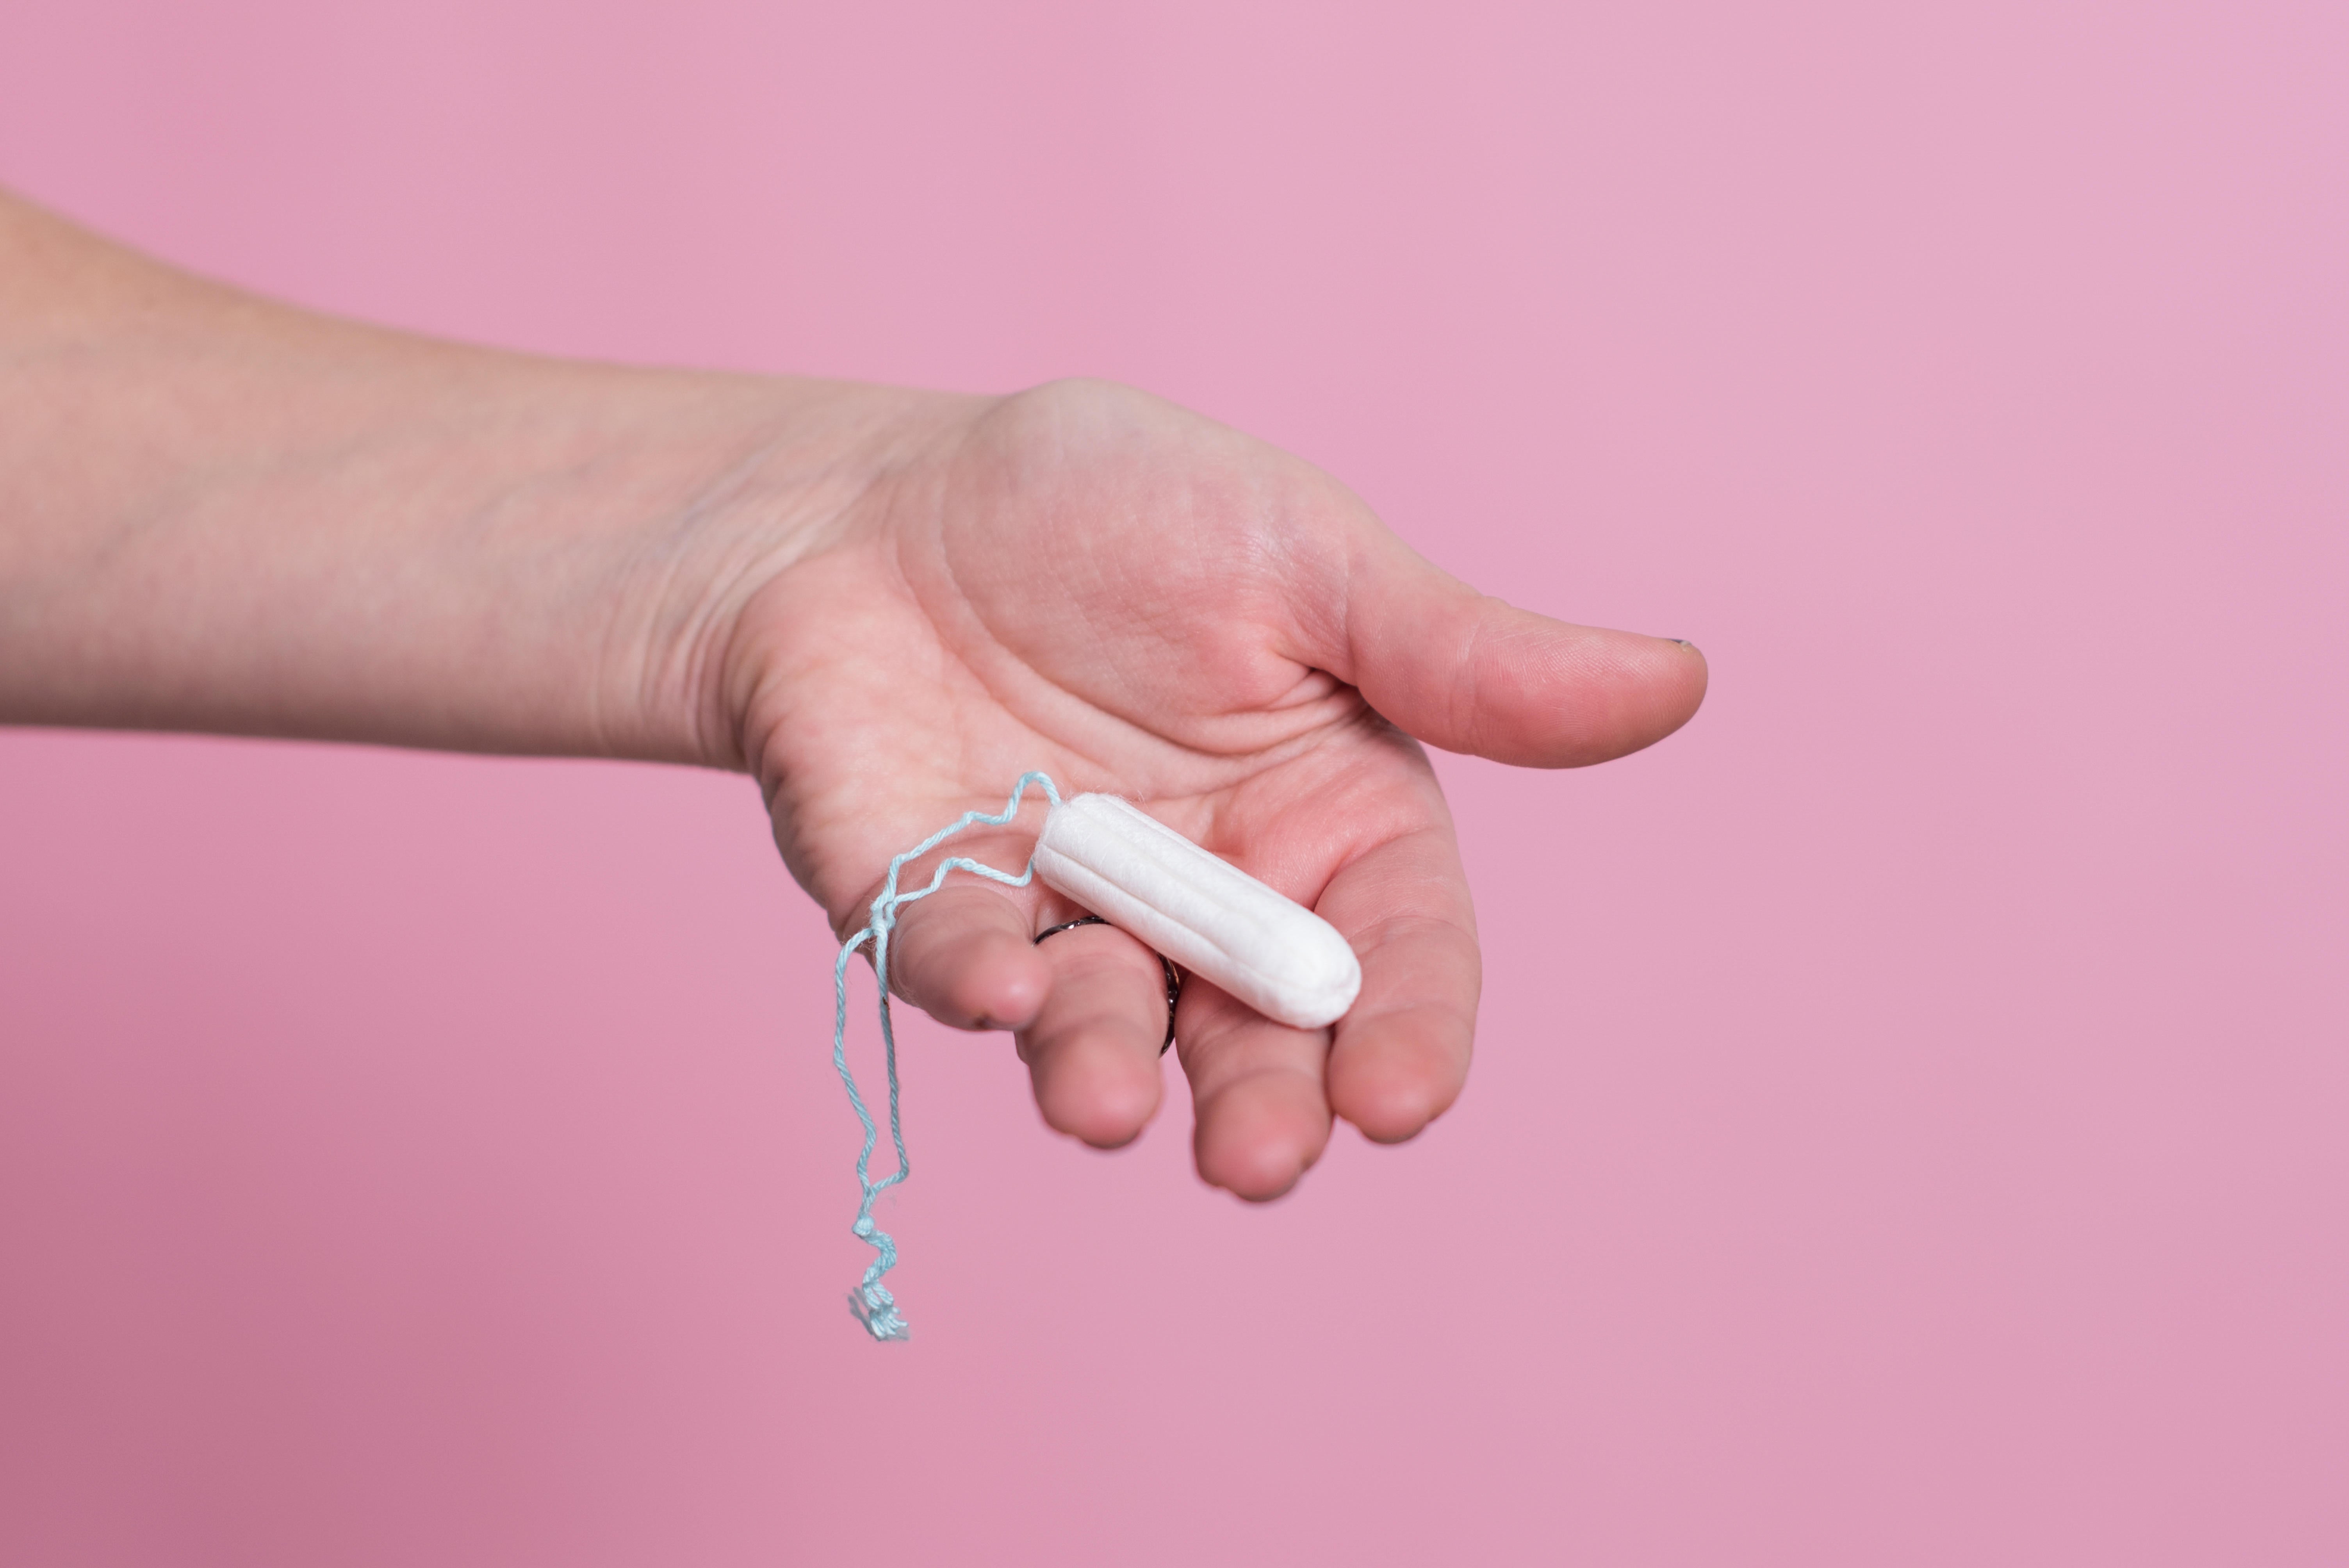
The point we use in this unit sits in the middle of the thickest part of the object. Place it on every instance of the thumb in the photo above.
(1465, 671)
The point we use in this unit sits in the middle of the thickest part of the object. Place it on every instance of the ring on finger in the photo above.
(1173, 976)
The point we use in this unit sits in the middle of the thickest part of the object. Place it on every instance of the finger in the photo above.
(1464, 671)
(1255, 1090)
(1092, 1050)
(963, 955)
(1400, 1055)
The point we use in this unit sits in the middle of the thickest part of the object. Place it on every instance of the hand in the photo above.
(1089, 581)
(216, 514)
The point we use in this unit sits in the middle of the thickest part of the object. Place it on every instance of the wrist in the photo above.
(810, 470)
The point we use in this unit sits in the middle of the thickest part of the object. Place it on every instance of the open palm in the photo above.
(1091, 582)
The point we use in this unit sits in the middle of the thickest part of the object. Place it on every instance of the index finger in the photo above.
(1399, 1057)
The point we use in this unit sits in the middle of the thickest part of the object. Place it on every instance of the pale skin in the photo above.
(219, 513)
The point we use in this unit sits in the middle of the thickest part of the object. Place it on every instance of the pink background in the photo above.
(1912, 1120)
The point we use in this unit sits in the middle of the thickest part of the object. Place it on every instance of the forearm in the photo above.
(219, 513)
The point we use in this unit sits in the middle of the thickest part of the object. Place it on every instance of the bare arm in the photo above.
(217, 513)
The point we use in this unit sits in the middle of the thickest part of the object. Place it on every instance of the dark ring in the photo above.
(1173, 976)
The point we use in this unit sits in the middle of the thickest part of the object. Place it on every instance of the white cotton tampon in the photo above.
(1202, 912)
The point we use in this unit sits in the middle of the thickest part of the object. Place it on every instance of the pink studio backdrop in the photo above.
(1911, 1124)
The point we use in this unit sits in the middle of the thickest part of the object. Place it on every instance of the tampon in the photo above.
(1202, 912)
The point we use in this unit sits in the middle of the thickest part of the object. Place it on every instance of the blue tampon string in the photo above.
(871, 1302)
